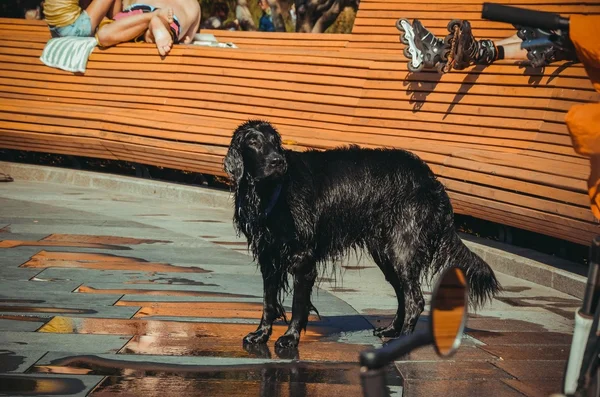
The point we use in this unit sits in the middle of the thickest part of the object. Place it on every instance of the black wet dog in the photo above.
(300, 209)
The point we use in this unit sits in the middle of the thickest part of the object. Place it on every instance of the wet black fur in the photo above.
(301, 209)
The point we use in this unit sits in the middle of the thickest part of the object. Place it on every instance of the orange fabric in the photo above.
(583, 120)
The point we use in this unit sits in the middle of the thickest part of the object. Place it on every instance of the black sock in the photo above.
(487, 52)
(500, 52)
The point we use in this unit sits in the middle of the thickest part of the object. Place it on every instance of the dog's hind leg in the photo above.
(401, 265)
(304, 279)
(387, 265)
(414, 303)
(273, 284)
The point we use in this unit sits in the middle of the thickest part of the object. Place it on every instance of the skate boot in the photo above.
(423, 49)
(465, 50)
(544, 47)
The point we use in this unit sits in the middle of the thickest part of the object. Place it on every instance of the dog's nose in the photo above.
(276, 162)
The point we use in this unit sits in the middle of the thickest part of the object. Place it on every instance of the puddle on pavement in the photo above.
(245, 310)
(359, 267)
(175, 338)
(84, 260)
(109, 240)
(276, 379)
(540, 301)
(20, 301)
(31, 386)
(152, 215)
(172, 281)
(160, 328)
(233, 243)
(41, 243)
(32, 319)
(342, 289)
(159, 292)
(9, 361)
(515, 289)
(204, 220)
(232, 348)
(563, 307)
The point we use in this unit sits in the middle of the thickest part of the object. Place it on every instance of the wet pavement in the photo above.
(108, 294)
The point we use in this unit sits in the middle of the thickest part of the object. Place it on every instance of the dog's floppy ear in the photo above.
(234, 163)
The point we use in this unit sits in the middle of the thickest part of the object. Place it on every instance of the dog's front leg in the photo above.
(304, 279)
(273, 283)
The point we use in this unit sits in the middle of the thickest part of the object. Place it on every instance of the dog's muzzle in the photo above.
(276, 165)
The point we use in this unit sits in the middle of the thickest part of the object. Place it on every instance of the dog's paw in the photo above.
(260, 350)
(287, 353)
(287, 341)
(387, 332)
(257, 337)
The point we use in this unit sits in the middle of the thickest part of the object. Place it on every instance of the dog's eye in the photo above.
(253, 142)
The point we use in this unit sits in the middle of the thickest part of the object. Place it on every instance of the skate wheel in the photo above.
(453, 23)
(442, 68)
(403, 39)
(413, 69)
(399, 24)
(407, 53)
(448, 39)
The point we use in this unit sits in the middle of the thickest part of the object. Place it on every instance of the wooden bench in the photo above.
(495, 136)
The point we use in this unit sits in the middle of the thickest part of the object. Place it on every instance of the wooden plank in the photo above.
(550, 194)
(520, 221)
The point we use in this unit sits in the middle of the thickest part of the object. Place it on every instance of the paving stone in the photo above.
(491, 324)
(459, 388)
(35, 341)
(522, 338)
(529, 352)
(50, 293)
(536, 387)
(467, 370)
(533, 369)
(20, 323)
(8, 288)
(464, 353)
(42, 310)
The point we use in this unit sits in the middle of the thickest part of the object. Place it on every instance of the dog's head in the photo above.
(255, 151)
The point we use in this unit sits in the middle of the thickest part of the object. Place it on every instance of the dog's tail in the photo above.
(483, 285)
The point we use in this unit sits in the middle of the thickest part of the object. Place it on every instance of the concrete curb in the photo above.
(121, 184)
(526, 264)
(561, 275)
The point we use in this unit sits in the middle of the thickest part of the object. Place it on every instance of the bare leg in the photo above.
(128, 28)
(158, 33)
(509, 40)
(514, 51)
(512, 48)
(98, 9)
(116, 8)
